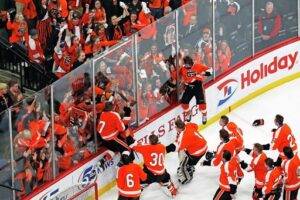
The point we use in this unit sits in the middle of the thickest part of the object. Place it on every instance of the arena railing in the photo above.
(142, 68)
(14, 59)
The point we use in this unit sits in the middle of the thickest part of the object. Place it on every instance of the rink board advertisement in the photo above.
(220, 95)
(252, 76)
(101, 169)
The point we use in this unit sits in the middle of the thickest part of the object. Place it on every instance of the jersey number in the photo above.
(129, 180)
(101, 125)
(291, 139)
(157, 159)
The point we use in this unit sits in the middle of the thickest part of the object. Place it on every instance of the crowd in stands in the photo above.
(61, 35)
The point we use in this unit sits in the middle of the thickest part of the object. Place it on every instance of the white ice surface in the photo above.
(283, 100)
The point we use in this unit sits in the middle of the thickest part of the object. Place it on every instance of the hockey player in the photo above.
(192, 147)
(228, 144)
(192, 76)
(233, 130)
(111, 128)
(259, 168)
(154, 165)
(273, 181)
(282, 137)
(228, 179)
(129, 177)
(291, 167)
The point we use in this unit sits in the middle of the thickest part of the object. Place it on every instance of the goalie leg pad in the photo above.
(185, 171)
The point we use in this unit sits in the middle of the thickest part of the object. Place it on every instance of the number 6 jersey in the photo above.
(128, 180)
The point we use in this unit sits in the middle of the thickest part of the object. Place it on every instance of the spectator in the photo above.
(231, 22)
(14, 93)
(157, 8)
(115, 29)
(223, 57)
(4, 104)
(35, 51)
(189, 9)
(147, 20)
(193, 26)
(174, 4)
(269, 25)
(81, 59)
(28, 10)
(19, 30)
(62, 62)
(204, 47)
(113, 8)
(100, 14)
(135, 7)
(132, 25)
(167, 10)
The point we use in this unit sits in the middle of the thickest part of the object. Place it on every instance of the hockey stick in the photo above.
(10, 187)
(132, 103)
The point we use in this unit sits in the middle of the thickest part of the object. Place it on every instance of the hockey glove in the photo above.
(209, 155)
(207, 74)
(258, 122)
(232, 188)
(127, 111)
(273, 130)
(266, 147)
(248, 151)
(239, 180)
(243, 164)
(206, 163)
(171, 148)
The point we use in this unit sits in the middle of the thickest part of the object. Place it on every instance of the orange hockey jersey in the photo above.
(19, 31)
(236, 132)
(228, 175)
(109, 125)
(191, 141)
(154, 157)
(230, 146)
(260, 170)
(272, 180)
(291, 173)
(189, 75)
(128, 180)
(283, 137)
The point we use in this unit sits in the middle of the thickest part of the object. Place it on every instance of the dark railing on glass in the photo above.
(32, 76)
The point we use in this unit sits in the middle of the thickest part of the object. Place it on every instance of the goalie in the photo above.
(191, 145)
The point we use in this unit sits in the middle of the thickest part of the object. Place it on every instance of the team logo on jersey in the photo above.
(228, 88)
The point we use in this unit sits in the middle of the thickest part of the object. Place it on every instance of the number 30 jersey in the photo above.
(154, 157)
(128, 180)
